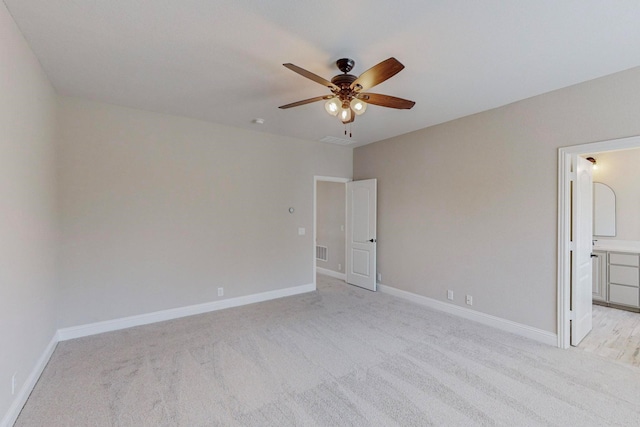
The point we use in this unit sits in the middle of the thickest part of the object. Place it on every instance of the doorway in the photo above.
(331, 247)
(567, 218)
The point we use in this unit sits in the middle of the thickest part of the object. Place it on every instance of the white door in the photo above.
(581, 281)
(361, 233)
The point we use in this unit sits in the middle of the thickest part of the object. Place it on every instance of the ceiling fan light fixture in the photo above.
(346, 115)
(358, 106)
(332, 106)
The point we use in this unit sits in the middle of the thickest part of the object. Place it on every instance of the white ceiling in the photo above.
(221, 60)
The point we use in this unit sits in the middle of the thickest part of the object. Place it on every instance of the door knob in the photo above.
(372, 240)
(594, 256)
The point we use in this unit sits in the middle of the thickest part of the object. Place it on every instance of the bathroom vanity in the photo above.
(616, 276)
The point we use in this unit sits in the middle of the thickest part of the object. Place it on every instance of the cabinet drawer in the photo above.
(623, 275)
(624, 295)
(624, 259)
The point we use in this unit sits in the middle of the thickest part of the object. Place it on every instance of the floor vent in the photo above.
(322, 253)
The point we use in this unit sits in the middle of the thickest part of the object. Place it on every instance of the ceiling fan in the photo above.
(347, 98)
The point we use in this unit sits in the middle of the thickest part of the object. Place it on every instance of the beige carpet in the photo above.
(338, 356)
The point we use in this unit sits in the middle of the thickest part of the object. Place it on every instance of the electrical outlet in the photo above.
(379, 277)
(220, 292)
(450, 294)
(339, 267)
(469, 300)
(13, 384)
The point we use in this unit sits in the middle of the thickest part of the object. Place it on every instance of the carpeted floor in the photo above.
(338, 356)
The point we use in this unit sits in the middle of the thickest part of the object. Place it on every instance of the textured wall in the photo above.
(27, 210)
(471, 205)
(159, 211)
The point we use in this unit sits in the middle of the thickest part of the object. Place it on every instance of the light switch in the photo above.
(301, 231)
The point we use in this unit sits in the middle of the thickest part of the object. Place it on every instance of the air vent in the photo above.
(322, 253)
(338, 141)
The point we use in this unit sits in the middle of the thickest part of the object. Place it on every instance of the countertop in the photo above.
(617, 246)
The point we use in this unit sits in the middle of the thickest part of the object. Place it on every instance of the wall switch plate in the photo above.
(450, 294)
(339, 267)
(13, 384)
(469, 300)
(301, 231)
(379, 277)
(220, 292)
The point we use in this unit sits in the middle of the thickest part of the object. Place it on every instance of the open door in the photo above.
(361, 233)
(581, 268)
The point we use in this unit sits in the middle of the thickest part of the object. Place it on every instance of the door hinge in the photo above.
(572, 315)
(573, 176)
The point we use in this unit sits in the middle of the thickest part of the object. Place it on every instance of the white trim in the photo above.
(174, 313)
(331, 273)
(317, 178)
(332, 179)
(486, 319)
(565, 173)
(21, 398)
(565, 246)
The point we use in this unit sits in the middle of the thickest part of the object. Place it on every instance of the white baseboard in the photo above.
(331, 273)
(486, 319)
(23, 394)
(174, 313)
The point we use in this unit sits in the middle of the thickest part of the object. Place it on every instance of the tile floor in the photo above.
(615, 335)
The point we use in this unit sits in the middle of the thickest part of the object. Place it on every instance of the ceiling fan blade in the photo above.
(377, 74)
(307, 101)
(308, 74)
(386, 101)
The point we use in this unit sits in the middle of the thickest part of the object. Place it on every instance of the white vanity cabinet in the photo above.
(599, 263)
(624, 279)
(616, 279)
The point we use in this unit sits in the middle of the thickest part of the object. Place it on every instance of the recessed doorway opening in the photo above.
(569, 235)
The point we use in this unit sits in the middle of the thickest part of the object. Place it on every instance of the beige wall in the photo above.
(331, 205)
(27, 210)
(620, 170)
(159, 211)
(471, 205)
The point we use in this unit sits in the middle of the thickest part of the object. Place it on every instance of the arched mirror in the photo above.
(604, 210)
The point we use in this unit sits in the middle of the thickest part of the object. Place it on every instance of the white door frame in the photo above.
(565, 176)
(315, 216)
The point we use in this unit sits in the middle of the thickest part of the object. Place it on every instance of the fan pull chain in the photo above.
(345, 130)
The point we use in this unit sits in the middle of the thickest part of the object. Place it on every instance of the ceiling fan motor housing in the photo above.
(342, 80)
